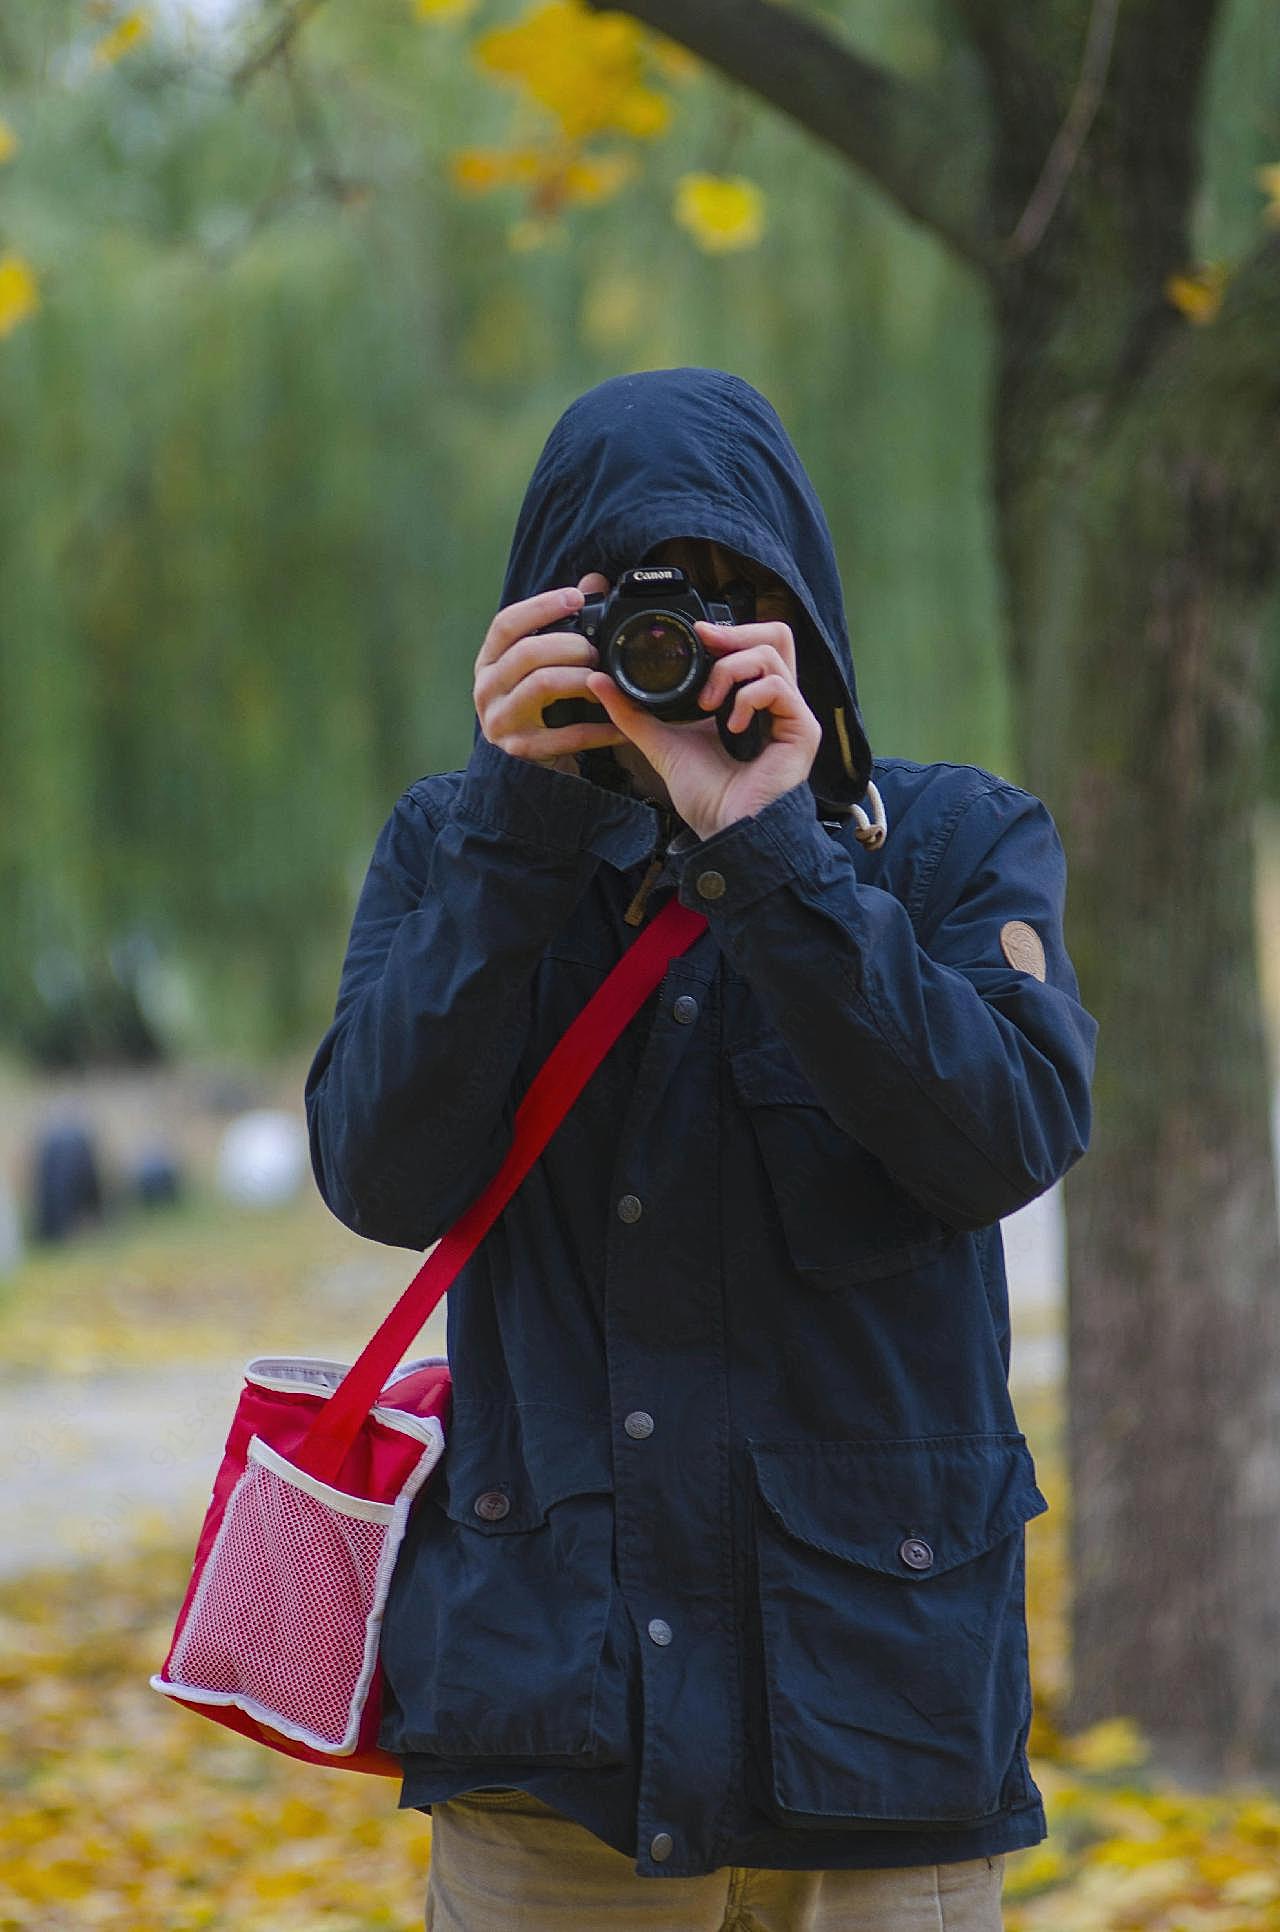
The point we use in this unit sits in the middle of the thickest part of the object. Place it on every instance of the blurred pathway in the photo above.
(88, 1462)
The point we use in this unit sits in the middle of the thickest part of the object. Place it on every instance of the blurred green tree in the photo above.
(265, 436)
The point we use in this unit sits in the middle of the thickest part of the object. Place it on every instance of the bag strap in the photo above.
(551, 1093)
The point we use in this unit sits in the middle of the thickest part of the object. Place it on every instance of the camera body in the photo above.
(643, 631)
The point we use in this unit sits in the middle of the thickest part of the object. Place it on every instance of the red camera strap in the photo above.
(552, 1092)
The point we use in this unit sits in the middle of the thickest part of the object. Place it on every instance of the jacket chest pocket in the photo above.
(843, 1217)
(893, 1627)
(495, 1624)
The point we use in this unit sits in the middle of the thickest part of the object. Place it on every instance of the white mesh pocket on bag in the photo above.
(284, 1622)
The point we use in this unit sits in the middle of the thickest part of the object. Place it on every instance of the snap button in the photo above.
(660, 1630)
(710, 885)
(639, 1424)
(915, 1553)
(629, 1208)
(685, 1009)
(661, 1846)
(492, 1505)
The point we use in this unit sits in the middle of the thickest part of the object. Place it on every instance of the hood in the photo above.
(671, 453)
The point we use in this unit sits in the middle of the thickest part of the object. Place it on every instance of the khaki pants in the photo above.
(508, 1863)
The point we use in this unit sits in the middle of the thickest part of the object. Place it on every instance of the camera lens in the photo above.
(654, 654)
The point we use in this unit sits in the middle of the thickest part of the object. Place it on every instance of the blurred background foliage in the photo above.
(272, 381)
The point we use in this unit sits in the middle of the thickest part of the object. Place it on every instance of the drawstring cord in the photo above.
(871, 832)
(635, 911)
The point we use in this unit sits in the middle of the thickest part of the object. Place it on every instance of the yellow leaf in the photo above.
(554, 175)
(1198, 295)
(642, 113)
(443, 9)
(129, 30)
(476, 168)
(721, 212)
(1034, 1870)
(586, 69)
(1114, 1745)
(482, 168)
(1131, 1854)
(1258, 1821)
(19, 295)
(8, 142)
(596, 180)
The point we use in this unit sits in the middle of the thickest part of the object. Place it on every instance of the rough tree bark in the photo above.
(1136, 468)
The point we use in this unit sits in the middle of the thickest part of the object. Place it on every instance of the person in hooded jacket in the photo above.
(721, 1579)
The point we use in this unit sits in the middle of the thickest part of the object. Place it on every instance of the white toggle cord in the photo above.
(871, 832)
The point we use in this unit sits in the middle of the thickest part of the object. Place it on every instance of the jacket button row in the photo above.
(492, 1505)
(710, 885)
(661, 1846)
(915, 1553)
(660, 1630)
(639, 1424)
(629, 1208)
(685, 1009)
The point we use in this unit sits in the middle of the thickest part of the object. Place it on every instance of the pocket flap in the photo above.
(489, 1493)
(504, 1473)
(843, 1217)
(768, 1076)
(911, 1508)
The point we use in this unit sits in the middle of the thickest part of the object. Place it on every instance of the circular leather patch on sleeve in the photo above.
(1022, 947)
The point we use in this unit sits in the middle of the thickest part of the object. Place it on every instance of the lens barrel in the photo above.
(657, 658)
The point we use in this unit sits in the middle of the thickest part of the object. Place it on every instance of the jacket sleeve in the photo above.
(966, 1076)
(409, 1094)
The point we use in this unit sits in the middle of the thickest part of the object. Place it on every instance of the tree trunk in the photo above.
(1138, 566)
(1136, 473)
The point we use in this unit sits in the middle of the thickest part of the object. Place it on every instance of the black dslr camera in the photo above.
(643, 631)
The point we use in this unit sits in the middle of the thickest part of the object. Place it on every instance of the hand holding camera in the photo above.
(744, 673)
(521, 669)
(644, 631)
(649, 664)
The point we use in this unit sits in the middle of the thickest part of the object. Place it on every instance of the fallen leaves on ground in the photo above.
(122, 1811)
(1126, 1851)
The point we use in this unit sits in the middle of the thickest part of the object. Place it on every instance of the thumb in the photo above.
(631, 719)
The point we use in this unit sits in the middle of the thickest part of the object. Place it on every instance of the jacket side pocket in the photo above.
(495, 1626)
(893, 1626)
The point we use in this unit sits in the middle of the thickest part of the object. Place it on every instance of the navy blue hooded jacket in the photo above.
(725, 1557)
